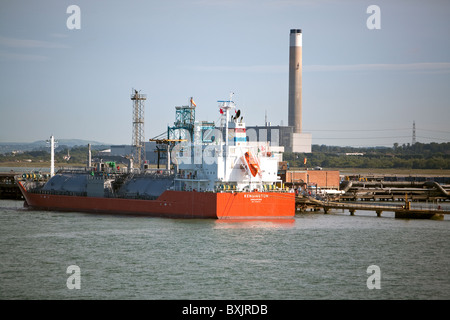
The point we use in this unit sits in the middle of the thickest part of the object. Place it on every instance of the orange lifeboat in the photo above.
(252, 163)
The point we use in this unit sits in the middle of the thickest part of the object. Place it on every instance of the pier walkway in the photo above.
(8, 187)
(401, 211)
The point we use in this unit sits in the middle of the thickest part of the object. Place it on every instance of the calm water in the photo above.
(313, 256)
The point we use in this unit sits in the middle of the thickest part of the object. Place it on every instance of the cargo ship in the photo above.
(212, 172)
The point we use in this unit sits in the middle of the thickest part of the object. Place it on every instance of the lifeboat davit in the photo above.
(252, 163)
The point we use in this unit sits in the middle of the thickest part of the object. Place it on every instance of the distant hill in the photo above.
(70, 142)
(6, 147)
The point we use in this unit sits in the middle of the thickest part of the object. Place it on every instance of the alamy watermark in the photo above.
(374, 280)
(374, 21)
(74, 280)
(74, 20)
(188, 152)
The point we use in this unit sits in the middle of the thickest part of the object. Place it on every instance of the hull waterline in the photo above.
(174, 204)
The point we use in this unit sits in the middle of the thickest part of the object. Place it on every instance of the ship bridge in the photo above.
(230, 164)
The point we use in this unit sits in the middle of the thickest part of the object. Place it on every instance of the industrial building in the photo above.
(291, 137)
(151, 153)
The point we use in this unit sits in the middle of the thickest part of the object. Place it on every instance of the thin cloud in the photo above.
(8, 56)
(28, 43)
(271, 3)
(438, 67)
(433, 67)
(59, 35)
(250, 69)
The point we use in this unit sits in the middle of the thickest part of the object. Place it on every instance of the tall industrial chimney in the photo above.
(295, 80)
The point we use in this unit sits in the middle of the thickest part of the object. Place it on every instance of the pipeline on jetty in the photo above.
(393, 190)
(401, 211)
(8, 187)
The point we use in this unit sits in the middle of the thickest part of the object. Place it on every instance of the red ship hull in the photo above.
(175, 204)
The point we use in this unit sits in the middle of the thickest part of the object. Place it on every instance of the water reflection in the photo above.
(253, 223)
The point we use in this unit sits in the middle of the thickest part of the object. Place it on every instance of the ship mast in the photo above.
(225, 107)
(52, 160)
(52, 144)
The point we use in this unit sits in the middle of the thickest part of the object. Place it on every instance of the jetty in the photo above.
(394, 191)
(303, 203)
(8, 187)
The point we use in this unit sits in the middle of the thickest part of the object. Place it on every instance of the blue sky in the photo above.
(361, 87)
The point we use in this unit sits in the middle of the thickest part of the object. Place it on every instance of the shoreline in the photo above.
(385, 171)
(342, 171)
(38, 164)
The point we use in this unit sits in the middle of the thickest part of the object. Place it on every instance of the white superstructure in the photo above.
(231, 165)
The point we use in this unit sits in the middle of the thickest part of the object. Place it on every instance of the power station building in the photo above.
(291, 137)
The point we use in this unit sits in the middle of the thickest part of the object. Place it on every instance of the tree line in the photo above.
(77, 154)
(417, 156)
